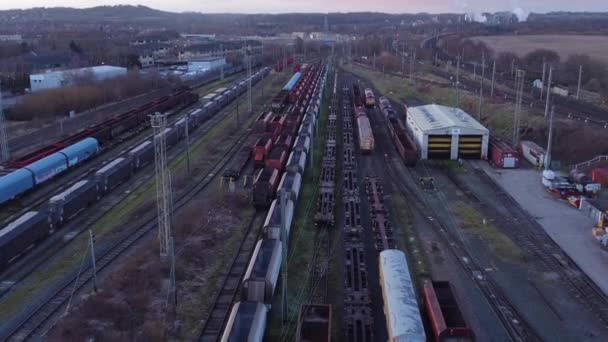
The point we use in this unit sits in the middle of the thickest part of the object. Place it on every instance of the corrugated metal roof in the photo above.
(431, 117)
(11, 226)
(401, 307)
(71, 189)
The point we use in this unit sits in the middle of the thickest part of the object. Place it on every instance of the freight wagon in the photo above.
(446, 320)
(272, 224)
(291, 183)
(20, 234)
(297, 162)
(262, 273)
(261, 149)
(302, 143)
(532, 152)
(403, 320)
(403, 143)
(314, 323)
(142, 154)
(246, 323)
(70, 202)
(502, 155)
(365, 135)
(113, 174)
(264, 186)
(277, 157)
(370, 99)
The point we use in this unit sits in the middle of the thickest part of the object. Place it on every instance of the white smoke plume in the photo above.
(471, 13)
(518, 11)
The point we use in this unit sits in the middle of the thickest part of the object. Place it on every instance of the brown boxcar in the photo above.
(314, 323)
(445, 317)
(403, 143)
(265, 186)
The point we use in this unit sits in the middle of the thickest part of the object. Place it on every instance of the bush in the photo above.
(83, 95)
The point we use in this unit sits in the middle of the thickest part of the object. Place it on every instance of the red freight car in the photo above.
(260, 149)
(502, 155)
(445, 317)
(265, 185)
(284, 140)
(276, 123)
(276, 158)
(403, 143)
(600, 175)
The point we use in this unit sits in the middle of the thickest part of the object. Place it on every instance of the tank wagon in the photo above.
(66, 204)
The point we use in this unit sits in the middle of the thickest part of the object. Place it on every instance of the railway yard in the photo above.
(322, 214)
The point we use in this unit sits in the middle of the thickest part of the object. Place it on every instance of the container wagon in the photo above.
(264, 187)
(20, 234)
(314, 323)
(502, 155)
(403, 320)
(447, 322)
(365, 135)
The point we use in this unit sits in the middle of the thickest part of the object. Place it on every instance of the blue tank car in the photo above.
(293, 81)
(15, 183)
(80, 151)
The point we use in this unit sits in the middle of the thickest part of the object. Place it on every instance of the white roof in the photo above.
(401, 308)
(109, 165)
(140, 147)
(437, 117)
(180, 121)
(68, 191)
(11, 226)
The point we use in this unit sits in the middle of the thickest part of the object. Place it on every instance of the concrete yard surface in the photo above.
(566, 225)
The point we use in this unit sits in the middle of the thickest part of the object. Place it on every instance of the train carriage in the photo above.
(262, 274)
(73, 200)
(18, 235)
(365, 135)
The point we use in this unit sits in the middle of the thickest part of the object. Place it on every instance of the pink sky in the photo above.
(278, 6)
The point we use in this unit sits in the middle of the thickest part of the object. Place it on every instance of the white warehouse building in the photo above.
(60, 78)
(205, 64)
(447, 133)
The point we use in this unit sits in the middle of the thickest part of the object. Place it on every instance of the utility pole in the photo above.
(548, 91)
(163, 182)
(249, 74)
(173, 291)
(483, 69)
(92, 242)
(474, 70)
(543, 80)
(283, 201)
(188, 142)
(549, 142)
(457, 81)
(493, 78)
(4, 148)
(580, 77)
(512, 67)
(519, 84)
(374, 62)
(403, 62)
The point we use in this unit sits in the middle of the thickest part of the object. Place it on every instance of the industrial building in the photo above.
(60, 78)
(205, 64)
(447, 133)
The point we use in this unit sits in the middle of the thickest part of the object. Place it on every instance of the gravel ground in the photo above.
(567, 226)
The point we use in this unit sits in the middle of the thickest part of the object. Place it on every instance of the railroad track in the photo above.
(37, 321)
(222, 303)
(29, 265)
(530, 236)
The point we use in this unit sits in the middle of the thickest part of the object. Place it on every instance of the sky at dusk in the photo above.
(280, 6)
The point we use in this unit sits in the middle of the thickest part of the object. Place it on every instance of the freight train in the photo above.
(247, 319)
(51, 160)
(370, 99)
(271, 152)
(403, 143)
(34, 226)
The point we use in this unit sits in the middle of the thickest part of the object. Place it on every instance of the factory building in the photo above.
(60, 78)
(205, 64)
(447, 133)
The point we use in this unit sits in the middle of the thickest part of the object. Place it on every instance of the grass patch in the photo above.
(472, 222)
(129, 207)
